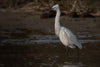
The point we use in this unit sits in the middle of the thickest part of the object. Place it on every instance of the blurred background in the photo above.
(39, 4)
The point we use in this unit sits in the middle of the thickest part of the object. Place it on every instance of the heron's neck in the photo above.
(57, 23)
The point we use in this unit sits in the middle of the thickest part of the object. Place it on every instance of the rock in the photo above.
(44, 15)
(73, 14)
(86, 15)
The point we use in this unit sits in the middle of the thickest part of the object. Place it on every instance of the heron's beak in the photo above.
(51, 9)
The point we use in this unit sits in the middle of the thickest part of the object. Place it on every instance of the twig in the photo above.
(64, 6)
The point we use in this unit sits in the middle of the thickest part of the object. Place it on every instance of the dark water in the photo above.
(22, 48)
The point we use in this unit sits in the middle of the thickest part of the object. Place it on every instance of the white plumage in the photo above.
(64, 34)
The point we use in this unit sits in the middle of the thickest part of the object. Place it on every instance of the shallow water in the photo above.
(19, 48)
(14, 38)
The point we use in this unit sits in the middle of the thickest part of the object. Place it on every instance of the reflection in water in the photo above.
(72, 65)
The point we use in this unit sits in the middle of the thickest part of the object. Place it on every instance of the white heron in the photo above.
(65, 35)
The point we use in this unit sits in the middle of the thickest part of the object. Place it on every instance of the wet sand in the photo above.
(26, 40)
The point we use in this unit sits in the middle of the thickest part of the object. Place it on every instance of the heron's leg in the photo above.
(67, 50)
(77, 54)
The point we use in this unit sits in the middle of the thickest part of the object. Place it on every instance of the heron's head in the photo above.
(55, 7)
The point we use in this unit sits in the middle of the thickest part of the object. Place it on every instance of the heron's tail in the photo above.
(79, 45)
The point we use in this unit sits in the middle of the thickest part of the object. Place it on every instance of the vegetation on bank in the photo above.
(69, 6)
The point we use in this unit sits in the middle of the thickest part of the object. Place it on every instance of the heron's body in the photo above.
(64, 34)
(68, 38)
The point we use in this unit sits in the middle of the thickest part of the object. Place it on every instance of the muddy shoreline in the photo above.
(9, 20)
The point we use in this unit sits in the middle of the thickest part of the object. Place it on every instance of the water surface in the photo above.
(19, 48)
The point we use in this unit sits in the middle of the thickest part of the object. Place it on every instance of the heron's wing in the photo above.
(72, 38)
